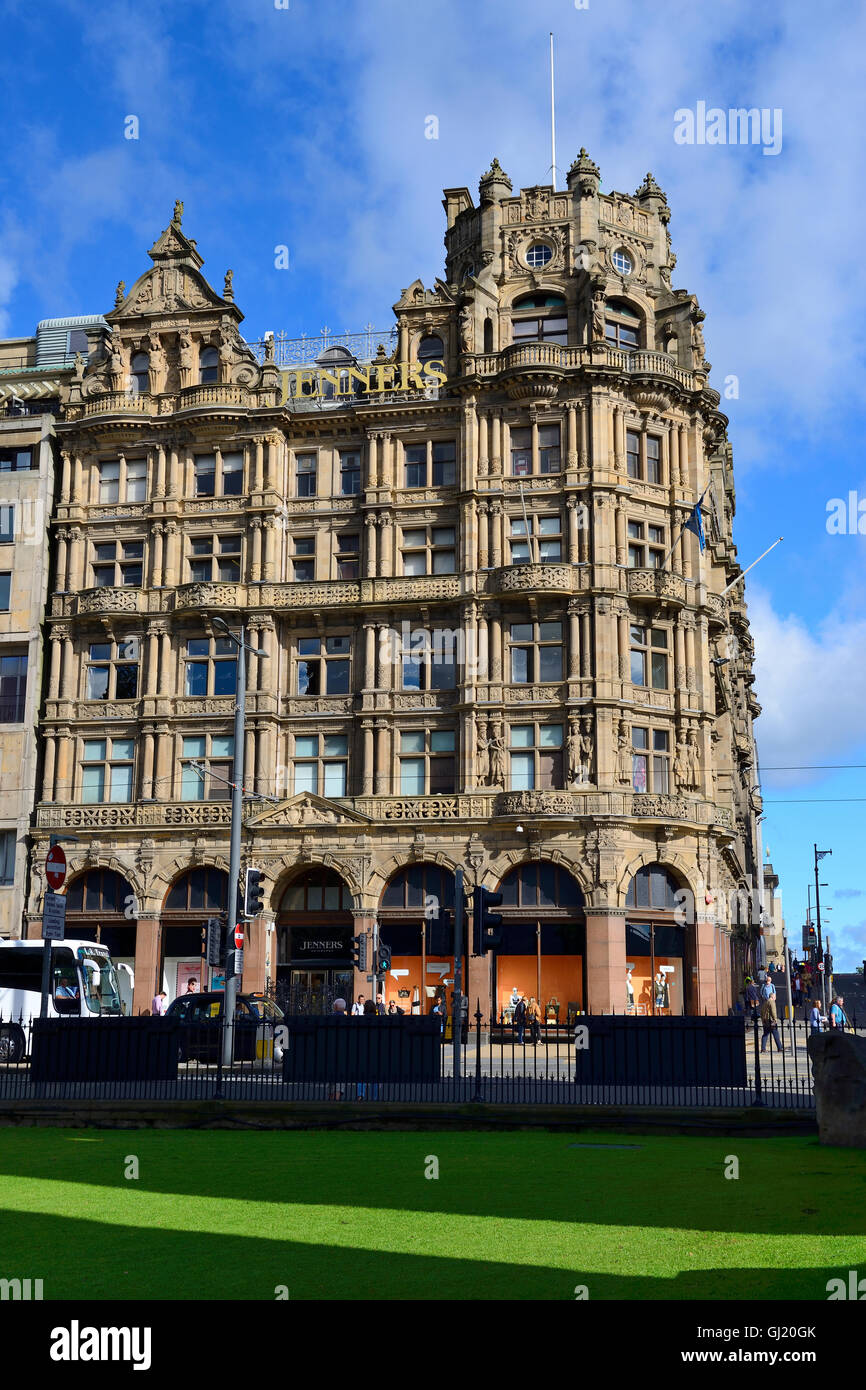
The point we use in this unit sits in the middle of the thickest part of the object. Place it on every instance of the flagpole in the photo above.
(750, 567)
(683, 527)
(552, 123)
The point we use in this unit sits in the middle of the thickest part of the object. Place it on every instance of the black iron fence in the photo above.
(605, 1060)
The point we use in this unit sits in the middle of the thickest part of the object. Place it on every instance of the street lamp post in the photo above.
(234, 906)
(820, 854)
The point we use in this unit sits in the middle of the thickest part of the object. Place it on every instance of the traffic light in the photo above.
(213, 933)
(359, 952)
(384, 958)
(486, 925)
(254, 893)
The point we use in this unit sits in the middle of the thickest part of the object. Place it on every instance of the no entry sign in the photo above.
(55, 868)
(239, 937)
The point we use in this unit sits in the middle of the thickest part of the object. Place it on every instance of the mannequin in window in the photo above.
(629, 990)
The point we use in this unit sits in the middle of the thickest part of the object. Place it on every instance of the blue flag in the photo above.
(695, 523)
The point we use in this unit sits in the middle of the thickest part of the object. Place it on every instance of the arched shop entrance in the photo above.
(659, 951)
(314, 941)
(543, 944)
(416, 920)
(100, 906)
(193, 897)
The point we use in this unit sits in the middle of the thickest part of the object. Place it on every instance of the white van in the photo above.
(83, 984)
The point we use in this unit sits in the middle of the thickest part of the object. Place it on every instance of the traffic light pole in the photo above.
(820, 943)
(232, 981)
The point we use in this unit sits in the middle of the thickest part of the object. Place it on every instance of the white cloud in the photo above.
(810, 685)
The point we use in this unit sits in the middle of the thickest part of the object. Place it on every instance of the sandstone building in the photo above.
(488, 644)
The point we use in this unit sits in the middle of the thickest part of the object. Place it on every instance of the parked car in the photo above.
(201, 1016)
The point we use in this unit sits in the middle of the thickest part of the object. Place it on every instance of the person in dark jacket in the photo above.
(519, 1021)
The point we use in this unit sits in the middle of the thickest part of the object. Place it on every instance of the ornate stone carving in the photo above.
(536, 803)
(671, 807)
(108, 601)
(519, 578)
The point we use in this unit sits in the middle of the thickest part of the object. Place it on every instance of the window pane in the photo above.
(205, 473)
(443, 535)
(94, 750)
(522, 736)
(413, 539)
(196, 678)
(415, 563)
(222, 746)
(639, 738)
(660, 775)
(125, 682)
(638, 676)
(306, 778)
(550, 632)
(550, 550)
(412, 742)
(193, 747)
(309, 646)
(550, 663)
(336, 745)
(547, 525)
(660, 741)
(121, 783)
(550, 736)
(442, 741)
(97, 683)
(307, 747)
(411, 776)
(638, 772)
(522, 772)
(660, 671)
(337, 646)
(335, 779)
(411, 674)
(337, 677)
(659, 637)
(443, 562)
(441, 775)
(521, 666)
(519, 553)
(224, 677)
(122, 749)
(233, 474)
(93, 784)
(521, 632)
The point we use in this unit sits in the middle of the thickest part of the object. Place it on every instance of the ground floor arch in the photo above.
(660, 944)
(542, 950)
(416, 923)
(314, 928)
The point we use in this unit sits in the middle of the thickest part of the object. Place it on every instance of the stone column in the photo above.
(66, 479)
(54, 675)
(368, 757)
(264, 758)
(497, 520)
(147, 751)
(369, 656)
(372, 459)
(573, 531)
(605, 960)
(256, 562)
(270, 527)
(483, 536)
(63, 771)
(495, 647)
(467, 452)
(624, 643)
(685, 470)
(383, 758)
(370, 559)
(536, 459)
(258, 463)
(171, 563)
(67, 677)
(386, 545)
(76, 560)
(78, 481)
(483, 647)
(483, 447)
(147, 953)
(573, 640)
(619, 439)
(156, 557)
(166, 672)
(163, 789)
(679, 655)
(49, 766)
(496, 443)
(152, 663)
(387, 461)
(571, 435)
(620, 529)
(585, 641)
(583, 437)
(62, 560)
(386, 658)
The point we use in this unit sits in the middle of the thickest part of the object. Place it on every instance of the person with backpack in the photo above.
(518, 1019)
(751, 998)
(533, 1014)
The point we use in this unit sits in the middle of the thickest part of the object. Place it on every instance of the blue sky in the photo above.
(305, 127)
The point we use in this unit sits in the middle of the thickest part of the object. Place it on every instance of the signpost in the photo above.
(55, 868)
(53, 917)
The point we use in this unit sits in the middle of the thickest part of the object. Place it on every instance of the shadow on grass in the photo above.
(786, 1185)
(84, 1260)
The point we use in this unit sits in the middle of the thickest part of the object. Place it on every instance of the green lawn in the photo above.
(527, 1215)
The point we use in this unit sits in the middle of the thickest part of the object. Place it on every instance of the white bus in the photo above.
(83, 983)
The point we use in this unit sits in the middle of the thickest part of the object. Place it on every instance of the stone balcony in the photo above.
(529, 357)
(656, 586)
(537, 578)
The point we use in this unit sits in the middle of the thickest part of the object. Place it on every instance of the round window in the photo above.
(538, 255)
(622, 262)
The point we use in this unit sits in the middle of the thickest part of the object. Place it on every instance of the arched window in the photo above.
(539, 886)
(540, 317)
(431, 349)
(317, 890)
(138, 378)
(622, 325)
(653, 887)
(198, 890)
(488, 335)
(99, 891)
(419, 888)
(208, 365)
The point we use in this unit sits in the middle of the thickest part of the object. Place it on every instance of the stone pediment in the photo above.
(417, 296)
(306, 809)
(170, 288)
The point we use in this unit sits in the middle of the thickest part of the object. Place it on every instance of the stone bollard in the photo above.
(839, 1069)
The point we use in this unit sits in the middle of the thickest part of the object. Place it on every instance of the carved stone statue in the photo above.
(116, 359)
(572, 745)
(184, 360)
(78, 369)
(623, 754)
(498, 758)
(692, 756)
(226, 355)
(598, 316)
(681, 764)
(482, 755)
(270, 348)
(228, 292)
(466, 328)
(178, 213)
(119, 293)
(586, 750)
(156, 364)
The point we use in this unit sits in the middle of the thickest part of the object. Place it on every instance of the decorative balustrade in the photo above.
(657, 584)
(551, 578)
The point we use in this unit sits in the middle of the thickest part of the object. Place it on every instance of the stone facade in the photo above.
(542, 668)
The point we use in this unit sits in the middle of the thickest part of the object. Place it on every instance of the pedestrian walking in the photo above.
(814, 1020)
(769, 1016)
(751, 998)
(838, 1016)
(439, 1010)
(358, 1006)
(157, 1007)
(533, 1014)
(519, 1021)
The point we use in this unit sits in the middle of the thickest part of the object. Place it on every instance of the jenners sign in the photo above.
(358, 381)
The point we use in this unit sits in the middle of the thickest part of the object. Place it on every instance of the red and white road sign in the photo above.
(55, 868)
(239, 937)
